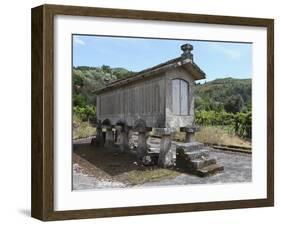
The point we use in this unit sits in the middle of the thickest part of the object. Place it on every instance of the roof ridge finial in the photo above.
(187, 48)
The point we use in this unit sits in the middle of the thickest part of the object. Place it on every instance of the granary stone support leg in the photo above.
(124, 138)
(166, 153)
(142, 144)
(99, 136)
(189, 137)
(189, 133)
(131, 138)
(109, 138)
(118, 134)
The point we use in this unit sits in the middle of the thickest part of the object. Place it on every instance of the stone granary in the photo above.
(159, 98)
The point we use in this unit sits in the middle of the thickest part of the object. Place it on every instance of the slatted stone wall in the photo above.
(144, 100)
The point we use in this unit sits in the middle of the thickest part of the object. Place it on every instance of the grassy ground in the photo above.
(214, 135)
(217, 135)
(82, 129)
(136, 177)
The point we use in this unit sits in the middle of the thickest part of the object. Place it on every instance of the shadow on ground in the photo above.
(111, 161)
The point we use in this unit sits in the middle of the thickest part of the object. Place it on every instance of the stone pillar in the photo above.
(131, 138)
(99, 136)
(189, 133)
(142, 145)
(118, 133)
(166, 153)
(115, 135)
(124, 138)
(140, 127)
(109, 138)
(189, 137)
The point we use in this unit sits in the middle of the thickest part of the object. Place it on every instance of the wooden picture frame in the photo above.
(42, 203)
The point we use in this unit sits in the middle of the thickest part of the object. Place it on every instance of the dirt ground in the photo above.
(96, 168)
(112, 165)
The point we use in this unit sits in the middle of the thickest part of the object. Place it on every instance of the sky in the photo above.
(216, 59)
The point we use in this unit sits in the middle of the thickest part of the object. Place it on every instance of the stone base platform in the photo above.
(194, 158)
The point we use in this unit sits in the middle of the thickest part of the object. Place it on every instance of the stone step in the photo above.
(188, 147)
(202, 162)
(192, 155)
(208, 170)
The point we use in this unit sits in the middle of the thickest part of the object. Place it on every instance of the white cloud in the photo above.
(233, 54)
(228, 52)
(78, 41)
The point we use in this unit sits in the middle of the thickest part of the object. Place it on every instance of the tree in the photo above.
(106, 68)
(79, 100)
(234, 103)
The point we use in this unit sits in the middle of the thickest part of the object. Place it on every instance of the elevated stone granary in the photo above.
(160, 97)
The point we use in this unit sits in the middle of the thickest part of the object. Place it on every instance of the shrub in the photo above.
(240, 123)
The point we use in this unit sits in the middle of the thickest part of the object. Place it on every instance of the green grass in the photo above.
(136, 177)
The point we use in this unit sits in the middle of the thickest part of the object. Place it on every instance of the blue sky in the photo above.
(216, 59)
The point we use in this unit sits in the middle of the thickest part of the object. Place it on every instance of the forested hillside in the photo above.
(229, 94)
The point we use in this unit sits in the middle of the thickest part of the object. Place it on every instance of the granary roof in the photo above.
(186, 62)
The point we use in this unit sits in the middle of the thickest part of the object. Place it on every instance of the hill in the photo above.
(229, 94)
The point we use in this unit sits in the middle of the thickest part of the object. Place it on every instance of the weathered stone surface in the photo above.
(166, 152)
(133, 140)
(189, 137)
(109, 138)
(192, 146)
(189, 133)
(192, 155)
(140, 126)
(209, 170)
(99, 141)
(194, 159)
(142, 145)
(187, 48)
(124, 139)
(191, 129)
(163, 131)
(150, 159)
(203, 162)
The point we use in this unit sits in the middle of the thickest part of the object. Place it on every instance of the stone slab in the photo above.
(191, 146)
(209, 170)
(200, 163)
